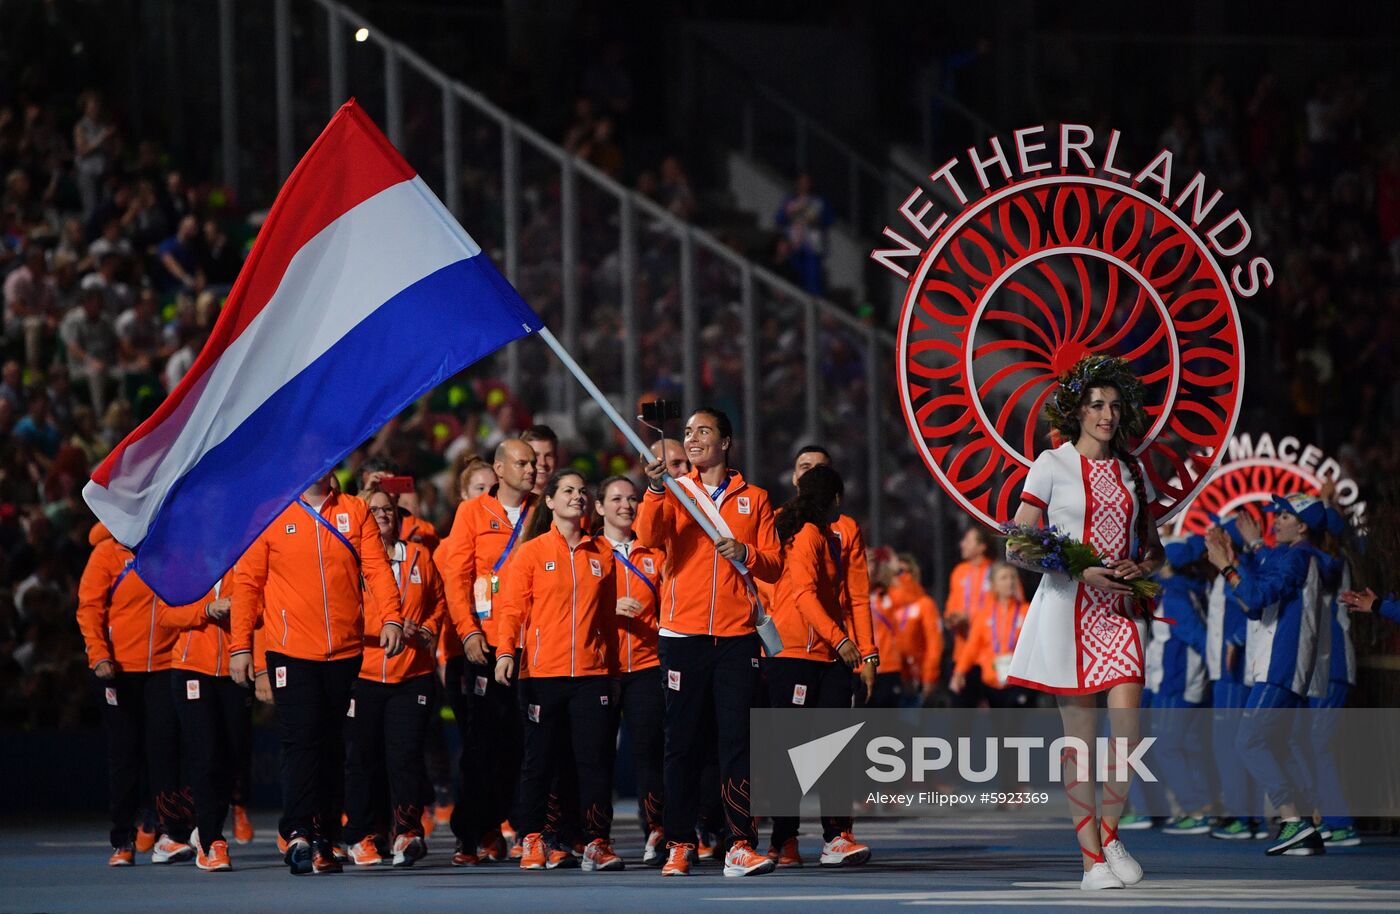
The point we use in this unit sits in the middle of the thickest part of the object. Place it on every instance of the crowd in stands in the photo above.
(114, 262)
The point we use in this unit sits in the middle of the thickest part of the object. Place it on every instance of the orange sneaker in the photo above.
(408, 850)
(442, 813)
(365, 852)
(242, 826)
(651, 854)
(533, 857)
(560, 858)
(742, 860)
(677, 859)
(145, 840)
(786, 855)
(508, 832)
(598, 855)
(122, 856)
(282, 844)
(705, 847)
(214, 861)
(324, 858)
(429, 823)
(463, 857)
(492, 847)
(844, 850)
(168, 850)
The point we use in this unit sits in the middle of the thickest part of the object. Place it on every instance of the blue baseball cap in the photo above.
(1307, 508)
(1183, 550)
(1230, 527)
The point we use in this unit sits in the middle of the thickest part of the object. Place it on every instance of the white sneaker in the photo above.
(1100, 876)
(1122, 863)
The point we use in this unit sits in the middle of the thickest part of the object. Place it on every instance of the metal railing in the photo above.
(644, 300)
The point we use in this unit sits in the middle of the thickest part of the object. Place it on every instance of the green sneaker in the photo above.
(1233, 830)
(1297, 837)
(1187, 825)
(1134, 823)
(1346, 836)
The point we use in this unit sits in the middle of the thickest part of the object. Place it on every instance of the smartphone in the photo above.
(658, 411)
(397, 485)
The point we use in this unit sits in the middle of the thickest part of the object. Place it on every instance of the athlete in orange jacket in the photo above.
(309, 571)
(128, 651)
(216, 721)
(562, 593)
(473, 562)
(709, 647)
(920, 627)
(390, 706)
(859, 623)
(969, 598)
(643, 698)
(814, 668)
(992, 641)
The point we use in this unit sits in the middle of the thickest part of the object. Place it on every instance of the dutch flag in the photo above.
(360, 294)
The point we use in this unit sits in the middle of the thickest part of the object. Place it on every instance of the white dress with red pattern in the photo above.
(1077, 639)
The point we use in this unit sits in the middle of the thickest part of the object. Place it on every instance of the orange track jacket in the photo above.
(705, 595)
(310, 586)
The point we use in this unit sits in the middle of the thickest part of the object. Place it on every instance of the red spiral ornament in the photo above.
(1032, 278)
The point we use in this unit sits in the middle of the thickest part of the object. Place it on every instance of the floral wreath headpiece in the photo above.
(1062, 409)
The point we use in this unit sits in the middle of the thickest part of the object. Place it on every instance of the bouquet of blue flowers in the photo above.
(1052, 550)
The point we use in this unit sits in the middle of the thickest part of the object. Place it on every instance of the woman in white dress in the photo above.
(1080, 636)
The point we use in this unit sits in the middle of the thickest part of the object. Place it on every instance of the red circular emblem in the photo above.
(1024, 283)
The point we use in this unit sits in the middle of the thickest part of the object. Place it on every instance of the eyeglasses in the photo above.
(388, 509)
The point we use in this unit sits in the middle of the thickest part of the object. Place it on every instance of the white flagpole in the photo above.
(632, 437)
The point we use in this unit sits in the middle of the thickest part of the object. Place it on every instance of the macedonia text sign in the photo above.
(1258, 468)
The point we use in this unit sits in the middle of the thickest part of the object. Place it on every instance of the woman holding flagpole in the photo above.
(709, 645)
(1079, 637)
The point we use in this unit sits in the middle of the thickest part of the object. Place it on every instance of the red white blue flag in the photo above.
(360, 294)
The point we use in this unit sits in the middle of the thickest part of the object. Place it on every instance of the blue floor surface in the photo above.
(991, 863)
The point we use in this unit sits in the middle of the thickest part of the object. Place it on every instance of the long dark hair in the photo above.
(817, 493)
(540, 515)
(1144, 507)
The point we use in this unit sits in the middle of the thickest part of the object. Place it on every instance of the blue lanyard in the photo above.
(645, 580)
(719, 492)
(126, 570)
(996, 635)
(836, 556)
(320, 519)
(514, 535)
